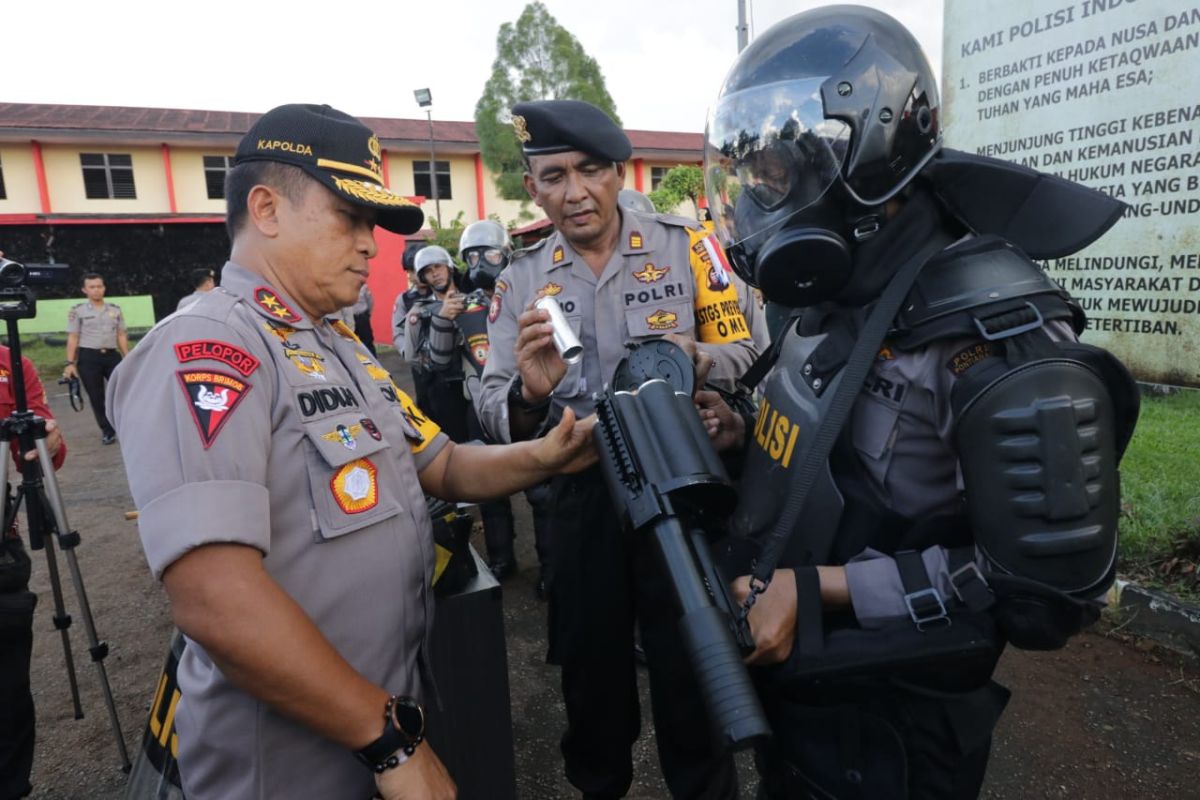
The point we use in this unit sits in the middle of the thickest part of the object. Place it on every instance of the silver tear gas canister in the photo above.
(565, 340)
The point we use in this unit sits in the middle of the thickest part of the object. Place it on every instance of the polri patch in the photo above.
(212, 397)
(355, 486)
(494, 310)
(968, 357)
(214, 350)
(268, 300)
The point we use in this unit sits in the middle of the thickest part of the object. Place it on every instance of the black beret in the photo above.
(557, 126)
(335, 149)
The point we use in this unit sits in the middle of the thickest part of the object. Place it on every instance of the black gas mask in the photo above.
(484, 265)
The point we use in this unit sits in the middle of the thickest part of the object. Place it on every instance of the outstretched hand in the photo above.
(568, 447)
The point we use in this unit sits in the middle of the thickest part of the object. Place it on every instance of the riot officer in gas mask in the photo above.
(932, 472)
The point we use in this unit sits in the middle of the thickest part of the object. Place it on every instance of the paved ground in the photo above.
(1100, 719)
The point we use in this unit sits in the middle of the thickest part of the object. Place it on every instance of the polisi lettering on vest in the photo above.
(776, 434)
(657, 294)
(321, 401)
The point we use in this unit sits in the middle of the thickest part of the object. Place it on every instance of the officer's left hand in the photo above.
(54, 441)
(702, 360)
(568, 447)
(773, 618)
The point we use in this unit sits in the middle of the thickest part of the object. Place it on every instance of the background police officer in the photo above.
(96, 341)
(922, 549)
(619, 276)
(203, 280)
(447, 401)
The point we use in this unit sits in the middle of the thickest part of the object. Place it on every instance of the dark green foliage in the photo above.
(536, 59)
(680, 183)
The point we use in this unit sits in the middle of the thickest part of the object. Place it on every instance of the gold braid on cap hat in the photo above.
(369, 192)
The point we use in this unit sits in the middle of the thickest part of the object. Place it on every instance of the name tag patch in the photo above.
(214, 350)
(212, 397)
(355, 486)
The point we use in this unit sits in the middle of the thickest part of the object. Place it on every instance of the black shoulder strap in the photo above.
(850, 384)
(766, 360)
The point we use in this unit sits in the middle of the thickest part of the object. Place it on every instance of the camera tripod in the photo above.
(44, 510)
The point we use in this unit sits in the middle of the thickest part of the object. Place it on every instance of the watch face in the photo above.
(408, 717)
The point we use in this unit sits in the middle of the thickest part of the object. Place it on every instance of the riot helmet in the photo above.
(635, 200)
(486, 247)
(431, 256)
(821, 121)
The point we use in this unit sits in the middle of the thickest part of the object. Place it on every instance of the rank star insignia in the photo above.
(355, 486)
(520, 128)
(662, 320)
(212, 397)
(549, 290)
(344, 434)
(269, 301)
(635, 240)
(651, 273)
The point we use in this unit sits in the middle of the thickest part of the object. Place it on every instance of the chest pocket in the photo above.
(659, 319)
(873, 426)
(347, 466)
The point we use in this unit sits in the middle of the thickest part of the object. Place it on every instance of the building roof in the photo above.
(64, 122)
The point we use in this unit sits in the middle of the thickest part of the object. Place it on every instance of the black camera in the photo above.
(16, 274)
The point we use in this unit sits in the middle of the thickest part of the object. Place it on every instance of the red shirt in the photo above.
(34, 394)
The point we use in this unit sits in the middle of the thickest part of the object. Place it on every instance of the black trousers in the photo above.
(16, 648)
(95, 367)
(603, 579)
(879, 739)
(362, 329)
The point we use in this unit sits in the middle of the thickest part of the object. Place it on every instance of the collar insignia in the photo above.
(520, 129)
(651, 273)
(268, 300)
(559, 255)
(635, 240)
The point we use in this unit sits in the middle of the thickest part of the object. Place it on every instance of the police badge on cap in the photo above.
(335, 149)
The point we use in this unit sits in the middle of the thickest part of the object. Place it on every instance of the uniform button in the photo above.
(817, 383)
(808, 369)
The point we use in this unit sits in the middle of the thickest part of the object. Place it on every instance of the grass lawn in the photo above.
(1160, 477)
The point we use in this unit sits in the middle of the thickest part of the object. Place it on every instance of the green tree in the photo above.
(448, 236)
(681, 183)
(536, 59)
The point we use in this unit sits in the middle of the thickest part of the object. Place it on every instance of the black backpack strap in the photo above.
(766, 360)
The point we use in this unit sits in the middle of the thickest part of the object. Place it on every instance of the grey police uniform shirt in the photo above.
(902, 426)
(241, 421)
(189, 299)
(97, 327)
(661, 279)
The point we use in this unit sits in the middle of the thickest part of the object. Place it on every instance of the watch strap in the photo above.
(393, 747)
(518, 397)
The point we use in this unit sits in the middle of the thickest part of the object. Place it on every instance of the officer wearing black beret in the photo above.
(620, 275)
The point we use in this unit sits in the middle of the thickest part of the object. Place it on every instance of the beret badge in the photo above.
(519, 128)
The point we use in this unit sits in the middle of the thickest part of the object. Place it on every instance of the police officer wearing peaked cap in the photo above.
(620, 276)
(280, 475)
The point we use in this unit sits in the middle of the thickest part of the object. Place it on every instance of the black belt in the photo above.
(100, 350)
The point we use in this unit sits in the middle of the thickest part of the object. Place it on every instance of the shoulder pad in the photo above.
(77, 305)
(975, 281)
(680, 222)
(114, 305)
(533, 248)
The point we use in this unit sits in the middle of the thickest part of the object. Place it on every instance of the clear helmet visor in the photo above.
(769, 154)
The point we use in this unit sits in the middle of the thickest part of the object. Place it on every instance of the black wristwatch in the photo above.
(517, 398)
(403, 730)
